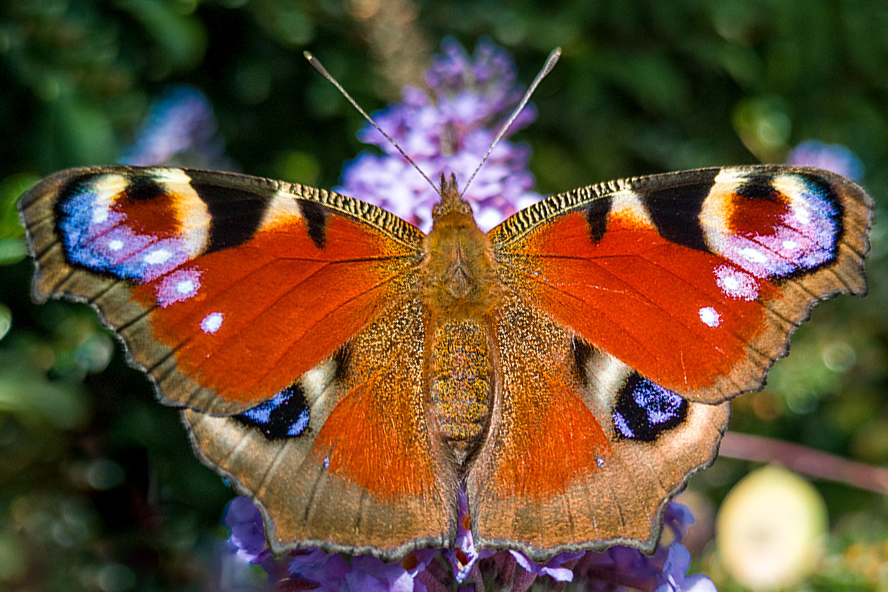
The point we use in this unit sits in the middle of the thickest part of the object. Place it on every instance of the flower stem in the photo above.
(805, 460)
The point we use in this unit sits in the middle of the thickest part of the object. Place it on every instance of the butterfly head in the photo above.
(451, 201)
(458, 267)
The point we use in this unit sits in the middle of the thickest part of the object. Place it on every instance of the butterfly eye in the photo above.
(458, 207)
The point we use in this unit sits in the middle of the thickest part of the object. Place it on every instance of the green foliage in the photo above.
(98, 487)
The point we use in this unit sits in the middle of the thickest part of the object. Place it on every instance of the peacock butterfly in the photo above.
(570, 369)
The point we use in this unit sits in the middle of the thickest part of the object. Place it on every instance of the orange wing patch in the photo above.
(377, 436)
(259, 315)
(542, 436)
(643, 299)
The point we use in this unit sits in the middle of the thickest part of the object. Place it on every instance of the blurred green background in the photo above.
(98, 486)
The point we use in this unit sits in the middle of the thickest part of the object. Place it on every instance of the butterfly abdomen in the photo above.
(460, 288)
(460, 383)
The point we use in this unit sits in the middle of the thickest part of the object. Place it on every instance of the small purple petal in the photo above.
(371, 574)
(330, 571)
(553, 568)
(247, 531)
(673, 578)
(463, 556)
(678, 518)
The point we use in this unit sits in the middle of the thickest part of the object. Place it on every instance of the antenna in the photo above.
(323, 71)
(550, 63)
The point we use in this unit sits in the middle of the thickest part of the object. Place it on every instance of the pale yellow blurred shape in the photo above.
(771, 529)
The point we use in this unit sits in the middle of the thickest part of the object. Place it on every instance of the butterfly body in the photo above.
(460, 290)
(570, 369)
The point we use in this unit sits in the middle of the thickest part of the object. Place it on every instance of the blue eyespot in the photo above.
(646, 410)
(283, 416)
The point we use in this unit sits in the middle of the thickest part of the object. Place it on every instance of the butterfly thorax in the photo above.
(460, 288)
(460, 281)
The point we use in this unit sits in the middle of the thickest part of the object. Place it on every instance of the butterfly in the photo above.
(570, 369)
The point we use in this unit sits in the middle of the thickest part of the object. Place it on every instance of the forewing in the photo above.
(345, 461)
(224, 288)
(582, 451)
(695, 279)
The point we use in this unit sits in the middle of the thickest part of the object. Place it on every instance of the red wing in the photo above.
(225, 288)
(582, 452)
(345, 460)
(695, 279)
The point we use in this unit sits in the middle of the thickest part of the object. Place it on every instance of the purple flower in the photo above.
(247, 538)
(616, 569)
(449, 133)
(673, 578)
(336, 572)
(831, 157)
(678, 518)
(619, 568)
(371, 574)
(554, 568)
(463, 556)
(247, 531)
(329, 571)
(180, 129)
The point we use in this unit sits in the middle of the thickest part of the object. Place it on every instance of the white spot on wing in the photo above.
(115, 244)
(158, 256)
(107, 187)
(185, 287)
(316, 380)
(718, 207)
(736, 284)
(801, 212)
(710, 316)
(211, 323)
(178, 286)
(607, 375)
(190, 209)
(731, 176)
(753, 255)
(795, 188)
(99, 214)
